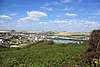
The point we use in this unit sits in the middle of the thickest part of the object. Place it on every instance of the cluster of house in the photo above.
(16, 38)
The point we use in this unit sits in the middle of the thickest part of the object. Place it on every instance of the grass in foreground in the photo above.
(44, 55)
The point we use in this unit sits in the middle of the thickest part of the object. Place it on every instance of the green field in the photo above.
(44, 55)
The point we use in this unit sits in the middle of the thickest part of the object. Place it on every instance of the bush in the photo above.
(93, 52)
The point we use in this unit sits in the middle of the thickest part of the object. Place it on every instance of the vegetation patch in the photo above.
(44, 54)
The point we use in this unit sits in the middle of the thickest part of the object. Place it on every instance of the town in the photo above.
(13, 38)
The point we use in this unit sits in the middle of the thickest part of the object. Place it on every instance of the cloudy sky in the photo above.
(55, 15)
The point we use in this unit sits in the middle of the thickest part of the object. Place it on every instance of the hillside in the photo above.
(43, 55)
(72, 33)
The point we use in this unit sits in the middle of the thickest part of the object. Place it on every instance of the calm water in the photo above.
(66, 41)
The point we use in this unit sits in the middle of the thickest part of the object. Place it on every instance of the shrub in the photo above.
(93, 52)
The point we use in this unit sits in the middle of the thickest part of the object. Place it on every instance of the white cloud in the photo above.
(76, 23)
(8, 16)
(25, 19)
(67, 8)
(42, 22)
(91, 23)
(70, 1)
(56, 3)
(12, 14)
(36, 14)
(92, 17)
(70, 14)
(5, 17)
(47, 7)
(66, 1)
(33, 15)
(59, 21)
(51, 5)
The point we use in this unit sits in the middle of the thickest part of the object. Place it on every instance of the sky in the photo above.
(50, 15)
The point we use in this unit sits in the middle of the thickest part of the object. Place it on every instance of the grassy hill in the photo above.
(43, 55)
(72, 33)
